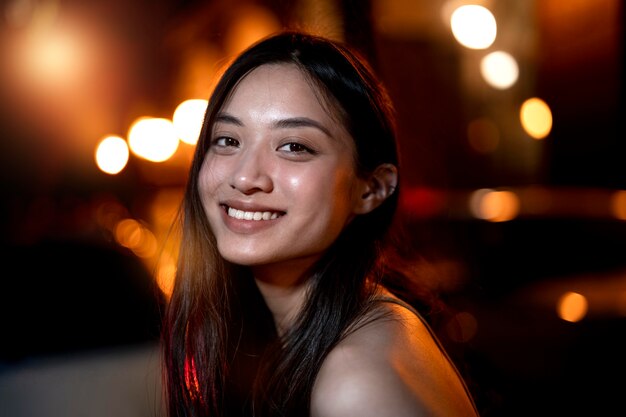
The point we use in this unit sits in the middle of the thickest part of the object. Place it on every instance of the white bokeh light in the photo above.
(499, 69)
(473, 26)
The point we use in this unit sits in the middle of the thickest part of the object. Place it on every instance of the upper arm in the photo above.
(351, 385)
(389, 368)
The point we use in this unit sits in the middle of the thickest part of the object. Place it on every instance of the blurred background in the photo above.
(512, 133)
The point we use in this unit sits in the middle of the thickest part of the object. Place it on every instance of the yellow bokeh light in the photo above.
(153, 139)
(112, 154)
(131, 234)
(473, 26)
(572, 306)
(53, 56)
(494, 206)
(536, 118)
(147, 245)
(128, 233)
(188, 118)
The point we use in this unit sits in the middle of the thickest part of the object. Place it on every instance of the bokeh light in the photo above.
(494, 206)
(572, 306)
(133, 235)
(112, 154)
(188, 118)
(153, 139)
(499, 69)
(473, 26)
(536, 118)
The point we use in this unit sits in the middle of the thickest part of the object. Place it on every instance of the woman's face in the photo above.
(278, 183)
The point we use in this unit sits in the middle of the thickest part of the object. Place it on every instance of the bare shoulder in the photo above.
(391, 366)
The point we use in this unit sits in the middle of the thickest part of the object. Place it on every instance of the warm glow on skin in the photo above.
(275, 149)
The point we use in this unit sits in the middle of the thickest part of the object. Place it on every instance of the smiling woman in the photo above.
(277, 152)
(286, 301)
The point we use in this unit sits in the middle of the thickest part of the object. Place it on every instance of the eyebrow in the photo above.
(227, 118)
(291, 122)
(301, 122)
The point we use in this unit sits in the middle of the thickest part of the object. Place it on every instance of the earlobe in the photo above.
(381, 184)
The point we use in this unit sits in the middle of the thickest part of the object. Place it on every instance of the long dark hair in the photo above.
(222, 353)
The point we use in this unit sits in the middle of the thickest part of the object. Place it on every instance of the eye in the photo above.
(296, 148)
(225, 142)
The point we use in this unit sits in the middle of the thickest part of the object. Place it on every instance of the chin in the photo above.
(244, 258)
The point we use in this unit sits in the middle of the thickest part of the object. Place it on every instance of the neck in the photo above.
(284, 290)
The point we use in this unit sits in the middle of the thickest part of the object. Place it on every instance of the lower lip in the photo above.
(247, 226)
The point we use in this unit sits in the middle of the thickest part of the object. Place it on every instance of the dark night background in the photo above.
(69, 288)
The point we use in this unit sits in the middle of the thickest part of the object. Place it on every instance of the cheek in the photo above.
(294, 182)
(323, 190)
(209, 177)
(306, 189)
(326, 178)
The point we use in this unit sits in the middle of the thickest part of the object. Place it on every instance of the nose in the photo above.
(252, 173)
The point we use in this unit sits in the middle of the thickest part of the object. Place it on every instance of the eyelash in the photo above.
(293, 148)
(300, 148)
(228, 141)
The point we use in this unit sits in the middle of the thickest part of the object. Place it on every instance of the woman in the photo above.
(284, 304)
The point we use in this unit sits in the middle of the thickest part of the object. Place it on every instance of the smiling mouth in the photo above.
(252, 215)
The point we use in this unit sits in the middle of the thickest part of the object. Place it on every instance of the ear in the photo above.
(376, 188)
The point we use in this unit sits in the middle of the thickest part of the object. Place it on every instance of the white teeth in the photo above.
(252, 215)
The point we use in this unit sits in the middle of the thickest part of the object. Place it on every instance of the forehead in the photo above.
(278, 76)
(282, 87)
